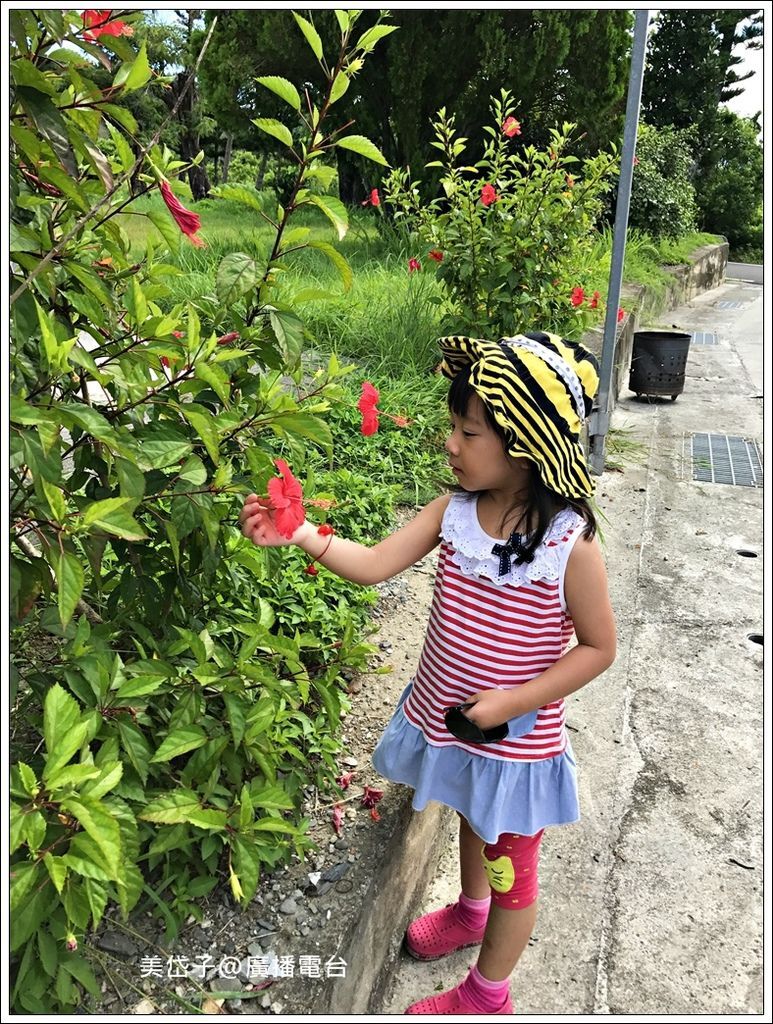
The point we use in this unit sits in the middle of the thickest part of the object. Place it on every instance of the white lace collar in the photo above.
(473, 546)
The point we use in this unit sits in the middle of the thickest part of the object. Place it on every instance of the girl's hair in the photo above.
(541, 503)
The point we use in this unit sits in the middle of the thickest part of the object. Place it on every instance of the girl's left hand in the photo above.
(492, 707)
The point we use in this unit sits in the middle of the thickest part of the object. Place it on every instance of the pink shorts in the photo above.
(512, 868)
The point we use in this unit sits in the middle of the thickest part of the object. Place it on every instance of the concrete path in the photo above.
(653, 903)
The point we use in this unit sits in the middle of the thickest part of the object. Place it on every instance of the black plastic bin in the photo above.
(658, 363)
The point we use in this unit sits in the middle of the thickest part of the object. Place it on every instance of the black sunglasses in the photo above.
(459, 725)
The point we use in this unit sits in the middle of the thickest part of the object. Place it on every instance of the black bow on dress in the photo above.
(515, 547)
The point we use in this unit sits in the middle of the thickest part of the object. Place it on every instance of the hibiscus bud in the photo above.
(226, 339)
(413, 264)
(71, 942)
(312, 570)
(325, 530)
(436, 255)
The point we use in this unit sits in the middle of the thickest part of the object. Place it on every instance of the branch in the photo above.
(126, 176)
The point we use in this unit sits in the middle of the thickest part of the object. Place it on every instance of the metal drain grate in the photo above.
(729, 305)
(704, 338)
(723, 459)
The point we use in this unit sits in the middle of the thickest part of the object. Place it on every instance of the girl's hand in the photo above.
(492, 707)
(257, 523)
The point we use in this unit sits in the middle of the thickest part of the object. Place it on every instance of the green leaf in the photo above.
(338, 260)
(170, 808)
(180, 741)
(70, 580)
(368, 39)
(71, 775)
(246, 864)
(304, 424)
(311, 34)
(23, 878)
(50, 124)
(239, 194)
(55, 499)
(342, 18)
(282, 88)
(194, 471)
(57, 870)
(203, 423)
(166, 228)
(31, 914)
(340, 85)
(56, 353)
(80, 970)
(174, 540)
(334, 210)
(136, 746)
(363, 146)
(88, 419)
(217, 379)
(139, 686)
(136, 303)
(237, 274)
(109, 777)
(289, 333)
(113, 515)
(28, 779)
(27, 413)
(123, 149)
(49, 958)
(209, 818)
(161, 446)
(271, 126)
(54, 175)
(24, 72)
(296, 236)
(86, 858)
(130, 887)
(34, 830)
(135, 74)
(100, 825)
(131, 480)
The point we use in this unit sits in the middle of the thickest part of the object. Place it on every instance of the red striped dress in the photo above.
(487, 631)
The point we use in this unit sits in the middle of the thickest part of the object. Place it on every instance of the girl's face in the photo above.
(476, 456)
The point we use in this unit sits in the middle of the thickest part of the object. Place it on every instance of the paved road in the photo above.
(751, 272)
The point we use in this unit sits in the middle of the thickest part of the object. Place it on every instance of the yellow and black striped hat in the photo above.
(539, 388)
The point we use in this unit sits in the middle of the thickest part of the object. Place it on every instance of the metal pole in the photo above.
(599, 419)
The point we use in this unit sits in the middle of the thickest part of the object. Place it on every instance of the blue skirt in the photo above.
(494, 795)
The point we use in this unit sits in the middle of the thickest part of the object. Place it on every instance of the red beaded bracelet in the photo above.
(325, 530)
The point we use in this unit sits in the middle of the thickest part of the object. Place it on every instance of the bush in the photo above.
(174, 693)
(507, 235)
(662, 195)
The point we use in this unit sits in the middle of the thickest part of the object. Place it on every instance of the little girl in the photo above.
(519, 572)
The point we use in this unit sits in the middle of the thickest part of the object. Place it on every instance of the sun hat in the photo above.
(539, 388)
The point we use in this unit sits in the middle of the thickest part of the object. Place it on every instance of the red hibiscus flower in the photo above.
(620, 314)
(287, 500)
(338, 817)
(187, 221)
(226, 339)
(593, 304)
(98, 23)
(165, 361)
(371, 796)
(511, 127)
(413, 264)
(577, 296)
(179, 334)
(367, 406)
(436, 255)
(488, 195)
(374, 199)
(344, 779)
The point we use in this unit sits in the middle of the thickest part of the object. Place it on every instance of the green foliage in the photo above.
(508, 232)
(730, 194)
(176, 693)
(662, 194)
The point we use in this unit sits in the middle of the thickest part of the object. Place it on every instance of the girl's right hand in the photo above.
(257, 523)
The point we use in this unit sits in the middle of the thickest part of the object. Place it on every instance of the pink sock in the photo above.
(485, 996)
(473, 914)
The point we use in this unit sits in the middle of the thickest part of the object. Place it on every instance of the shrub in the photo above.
(506, 235)
(173, 692)
(662, 194)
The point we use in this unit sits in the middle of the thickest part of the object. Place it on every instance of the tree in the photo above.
(731, 193)
(560, 65)
(691, 64)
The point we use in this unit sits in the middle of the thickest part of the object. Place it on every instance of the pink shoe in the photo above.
(437, 934)
(453, 1002)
